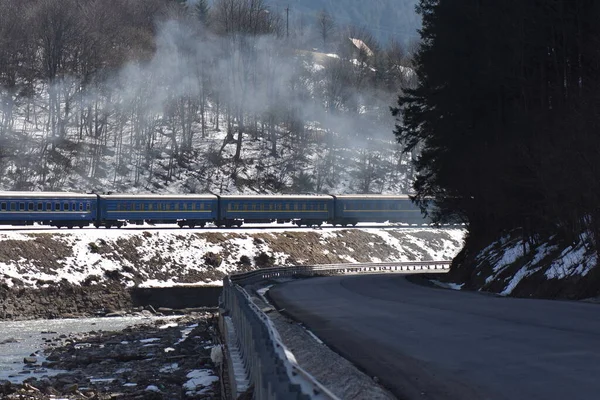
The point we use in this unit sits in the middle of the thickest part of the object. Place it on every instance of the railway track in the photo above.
(248, 227)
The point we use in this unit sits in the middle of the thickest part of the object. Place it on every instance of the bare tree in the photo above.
(325, 27)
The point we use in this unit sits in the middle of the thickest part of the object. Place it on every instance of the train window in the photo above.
(56, 206)
(176, 207)
(325, 206)
(168, 206)
(287, 206)
(13, 206)
(192, 206)
(304, 207)
(245, 207)
(80, 206)
(3, 207)
(48, 206)
(40, 206)
(87, 206)
(202, 206)
(66, 206)
(30, 206)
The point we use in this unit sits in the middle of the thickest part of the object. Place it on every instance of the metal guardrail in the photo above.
(267, 365)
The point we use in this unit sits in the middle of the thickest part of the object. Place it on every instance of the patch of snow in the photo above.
(123, 370)
(447, 285)
(169, 368)
(199, 378)
(152, 388)
(518, 277)
(149, 340)
(186, 332)
(572, 261)
(510, 254)
(169, 325)
(101, 380)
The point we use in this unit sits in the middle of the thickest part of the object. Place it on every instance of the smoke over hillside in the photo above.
(221, 108)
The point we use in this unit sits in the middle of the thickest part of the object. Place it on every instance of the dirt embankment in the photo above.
(88, 271)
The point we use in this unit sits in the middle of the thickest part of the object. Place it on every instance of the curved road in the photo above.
(428, 343)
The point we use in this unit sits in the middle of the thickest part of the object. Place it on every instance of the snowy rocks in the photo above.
(166, 359)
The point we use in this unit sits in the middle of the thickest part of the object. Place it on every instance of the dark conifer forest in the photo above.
(507, 115)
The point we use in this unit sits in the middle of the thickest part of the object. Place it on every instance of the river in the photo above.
(19, 339)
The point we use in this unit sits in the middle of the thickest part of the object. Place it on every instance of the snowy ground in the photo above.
(511, 267)
(147, 256)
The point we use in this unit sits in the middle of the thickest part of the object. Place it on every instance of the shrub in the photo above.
(264, 260)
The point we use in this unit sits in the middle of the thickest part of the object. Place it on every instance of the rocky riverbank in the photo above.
(167, 359)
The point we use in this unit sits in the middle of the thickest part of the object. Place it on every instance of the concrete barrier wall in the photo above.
(177, 297)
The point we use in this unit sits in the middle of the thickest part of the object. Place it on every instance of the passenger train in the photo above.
(62, 209)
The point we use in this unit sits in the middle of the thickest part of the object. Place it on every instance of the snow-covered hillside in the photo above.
(194, 118)
(511, 267)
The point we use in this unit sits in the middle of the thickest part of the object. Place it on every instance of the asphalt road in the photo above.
(428, 343)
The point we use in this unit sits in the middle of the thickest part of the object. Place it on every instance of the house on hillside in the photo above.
(361, 48)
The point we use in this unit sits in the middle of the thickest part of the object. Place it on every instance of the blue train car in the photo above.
(300, 209)
(60, 209)
(185, 210)
(351, 209)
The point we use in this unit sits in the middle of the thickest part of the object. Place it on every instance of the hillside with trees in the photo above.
(509, 132)
(206, 96)
(385, 19)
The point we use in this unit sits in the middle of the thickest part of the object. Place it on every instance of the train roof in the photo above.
(158, 196)
(47, 195)
(372, 196)
(277, 196)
